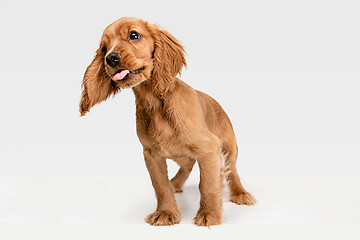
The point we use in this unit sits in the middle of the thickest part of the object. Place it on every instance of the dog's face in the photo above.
(131, 51)
(127, 48)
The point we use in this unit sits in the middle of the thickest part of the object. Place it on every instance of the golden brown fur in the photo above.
(173, 120)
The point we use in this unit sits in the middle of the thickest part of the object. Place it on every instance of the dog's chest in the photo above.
(157, 130)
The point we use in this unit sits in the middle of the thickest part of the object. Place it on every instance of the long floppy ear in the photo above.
(168, 59)
(97, 85)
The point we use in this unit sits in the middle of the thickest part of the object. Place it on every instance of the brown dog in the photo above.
(173, 120)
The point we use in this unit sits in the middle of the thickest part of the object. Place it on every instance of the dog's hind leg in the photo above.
(238, 194)
(179, 179)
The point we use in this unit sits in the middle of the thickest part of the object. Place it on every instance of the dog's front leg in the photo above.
(167, 212)
(209, 160)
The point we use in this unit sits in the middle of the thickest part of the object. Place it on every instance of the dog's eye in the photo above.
(104, 50)
(134, 36)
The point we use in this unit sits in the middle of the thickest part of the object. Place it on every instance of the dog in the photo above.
(173, 120)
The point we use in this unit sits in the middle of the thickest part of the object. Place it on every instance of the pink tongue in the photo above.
(120, 75)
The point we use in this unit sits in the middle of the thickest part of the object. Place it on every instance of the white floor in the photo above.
(128, 199)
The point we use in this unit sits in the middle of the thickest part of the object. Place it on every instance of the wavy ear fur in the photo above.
(168, 60)
(97, 85)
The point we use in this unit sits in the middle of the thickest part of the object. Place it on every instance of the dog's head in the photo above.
(131, 51)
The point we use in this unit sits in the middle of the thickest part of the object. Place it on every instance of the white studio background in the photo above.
(286, 72)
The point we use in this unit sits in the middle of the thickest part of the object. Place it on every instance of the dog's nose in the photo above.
(113, 59)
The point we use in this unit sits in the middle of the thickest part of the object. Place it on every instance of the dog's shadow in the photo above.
(187, 201)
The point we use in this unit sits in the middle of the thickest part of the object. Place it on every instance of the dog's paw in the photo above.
(177, 189)
(176, 186)
(207, 218)
(243, 198)
(163, 218)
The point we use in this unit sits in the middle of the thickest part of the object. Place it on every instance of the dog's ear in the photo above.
(97, 85)
(168, 59)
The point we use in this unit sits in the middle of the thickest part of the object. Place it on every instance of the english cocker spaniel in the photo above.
(173, 120)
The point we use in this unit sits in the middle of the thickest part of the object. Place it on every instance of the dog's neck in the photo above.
(150, 99)
(146, 97)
